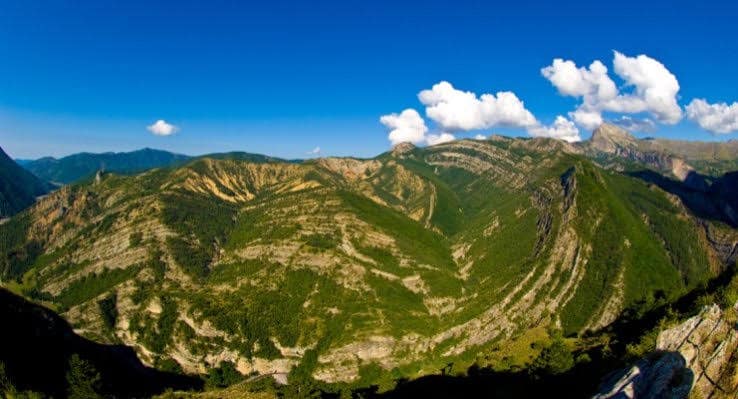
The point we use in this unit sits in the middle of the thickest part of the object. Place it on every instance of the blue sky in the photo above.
(285, 77)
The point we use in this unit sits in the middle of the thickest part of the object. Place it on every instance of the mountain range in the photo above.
(83, 165)
(345, 273)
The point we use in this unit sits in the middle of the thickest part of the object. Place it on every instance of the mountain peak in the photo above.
(607, 138)
(403, 148)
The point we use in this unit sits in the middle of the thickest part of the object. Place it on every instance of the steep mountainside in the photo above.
(18, 188)
(37, 345)
(74, 167)
(356, 270)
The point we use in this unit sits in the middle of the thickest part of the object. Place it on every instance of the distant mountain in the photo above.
(18, 187)
(75, 167)
(677, 157)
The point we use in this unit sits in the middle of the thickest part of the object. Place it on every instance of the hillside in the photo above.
(35, 355)
(18, 188)
(75, 167)
(351, 271)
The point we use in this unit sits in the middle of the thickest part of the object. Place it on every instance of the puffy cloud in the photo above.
(434, 139)
(405, 126)
(455, 110)
(654, 89)
(586, 117)
(410, 126)
(717, 118)
(653, 83)
(480, 137)
(644, 125)
(162, 128)
(562, 129)
(592, 82)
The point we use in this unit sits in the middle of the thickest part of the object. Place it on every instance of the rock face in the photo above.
(614, 141)
(708, 344)
(609, 139)
(402, 149)
(696, 356)
(664, 375)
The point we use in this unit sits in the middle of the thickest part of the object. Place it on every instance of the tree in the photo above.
(83, 380)
(224, 375)
(109, 310)
(554, 359)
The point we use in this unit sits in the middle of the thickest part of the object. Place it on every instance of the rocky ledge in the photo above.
(695, 359)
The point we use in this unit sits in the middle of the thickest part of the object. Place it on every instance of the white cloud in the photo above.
(644, 125)
(434, 139)
(717, 118)
(654, 89)
(653, 83)
(562, 129)
(409, 126)
(455, 110)
(162, 128)
(314, 151)
(480, 137)
(592, 82)
(405, 126)
(589, 119)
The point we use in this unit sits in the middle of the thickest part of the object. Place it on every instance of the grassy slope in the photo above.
(637, 232)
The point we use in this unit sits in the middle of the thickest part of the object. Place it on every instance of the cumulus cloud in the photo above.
(592, 82)
(644, 125)
(405, 126)
(434, 139)
(717, 118)
(655, 85)
(562, 129)
(162, 128)
(455, 110)
(480, 137)
(652, 89)
(409, 126)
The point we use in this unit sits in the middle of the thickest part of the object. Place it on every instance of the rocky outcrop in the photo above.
(402, 149)
(696, 358)
(663, 375)
(614, 141)
(610, 139)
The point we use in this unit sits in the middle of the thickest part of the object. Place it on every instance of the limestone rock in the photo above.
(695, 356)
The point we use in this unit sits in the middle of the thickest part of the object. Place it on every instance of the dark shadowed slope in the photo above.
(18, 188)
(37, 345)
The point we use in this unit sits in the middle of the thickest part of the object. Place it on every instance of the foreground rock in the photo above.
(697, 357)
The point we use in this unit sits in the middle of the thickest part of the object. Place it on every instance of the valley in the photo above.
(347, 273)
